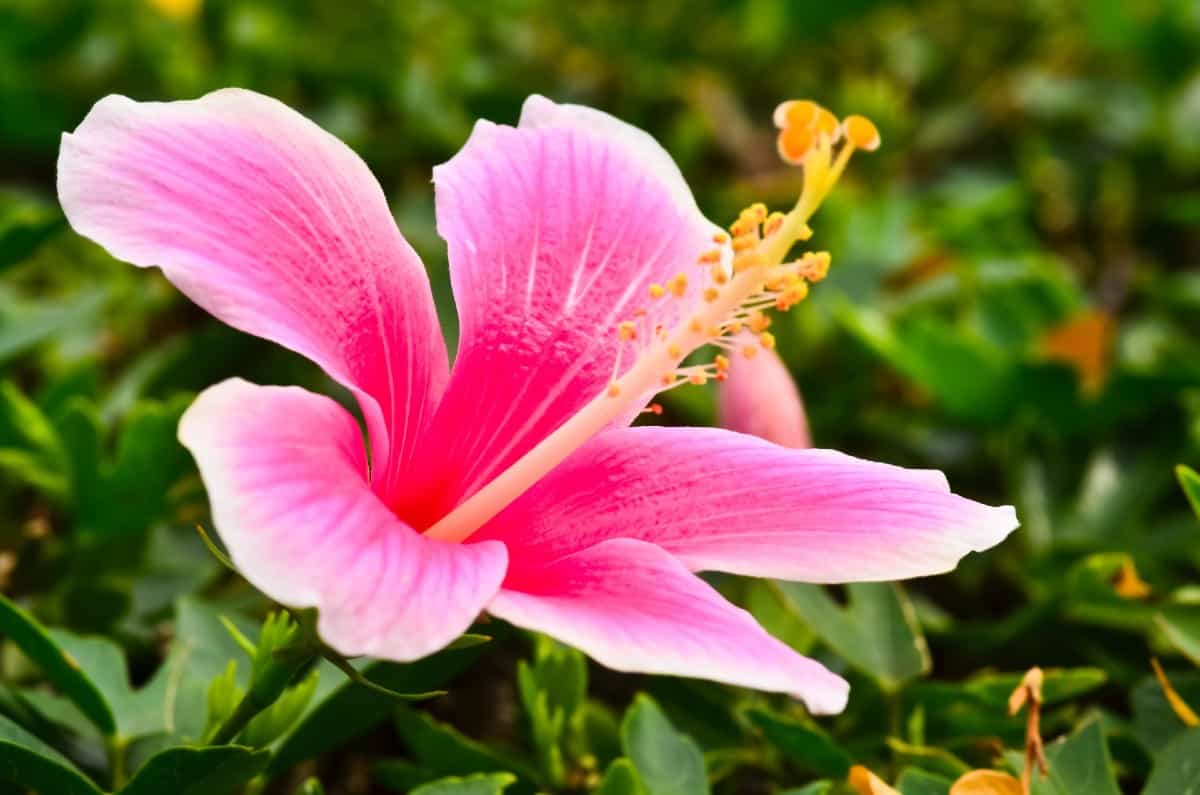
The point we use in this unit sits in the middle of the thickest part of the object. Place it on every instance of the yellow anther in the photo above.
(744, 262)
(626, 330)
(793, 143)
(714, 332)
(795, 113)
(742, 226)
(614, 390)
(674, 351)
(734, 326)
(667, 379)
(826, 124)
(719, 274)
(772, 224)
(713, 255)
(767, 340)
(656, 291)
(792, 296)
(759, 322)
(695, 326)
(861, 132)
(720, 238)
(678, 285)
(711, 294)
(749, 351)
(721, 363)
(698, 377)
(744, 243)
(757, 211)
(816, 266)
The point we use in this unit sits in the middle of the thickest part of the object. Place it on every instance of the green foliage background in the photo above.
(1041, 162)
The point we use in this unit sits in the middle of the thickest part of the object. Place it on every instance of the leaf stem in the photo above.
(115, 746)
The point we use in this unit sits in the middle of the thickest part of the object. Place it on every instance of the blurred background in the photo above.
(1014, 293)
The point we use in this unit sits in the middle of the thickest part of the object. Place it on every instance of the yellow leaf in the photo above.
(1128, 584)
(1178, 705)
(867, 783)
(1085, 343)
(986, 782)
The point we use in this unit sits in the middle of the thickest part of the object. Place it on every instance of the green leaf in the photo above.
(63, 670)
(340, 709)
(1078, 764)
(804, 743)
(1181, 625)
(815, 788)
(553, 690)
(620, 779)
(30, 449)
(274, 721)
(938, 760)
(483, 784)
(876, 631)
(137, 713)
(1189, 480)
(27, 761)
(197, 771)
(1155, 724)
(442, 749)
(26, 324)
(26, 221)
(1177, 769)
(1091, 597)
(1059, 684)
(667, 761)
(915, 781)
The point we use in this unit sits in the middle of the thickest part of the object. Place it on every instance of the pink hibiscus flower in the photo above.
(584, 274)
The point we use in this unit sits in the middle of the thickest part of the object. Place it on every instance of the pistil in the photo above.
(743, 276)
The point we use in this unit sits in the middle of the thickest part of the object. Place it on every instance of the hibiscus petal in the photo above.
(555, 230)
(726, 501)
(286, 474)
(633, 607)
(760, 398)
(274, 226)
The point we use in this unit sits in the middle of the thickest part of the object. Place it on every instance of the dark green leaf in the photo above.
(915, 781)
(804, 743)
(29, 762)
(442, 749)
(63, 670)
(197, 771)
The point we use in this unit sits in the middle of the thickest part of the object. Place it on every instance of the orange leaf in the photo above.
(867, 783)
(1085, 343)
(986, 782)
